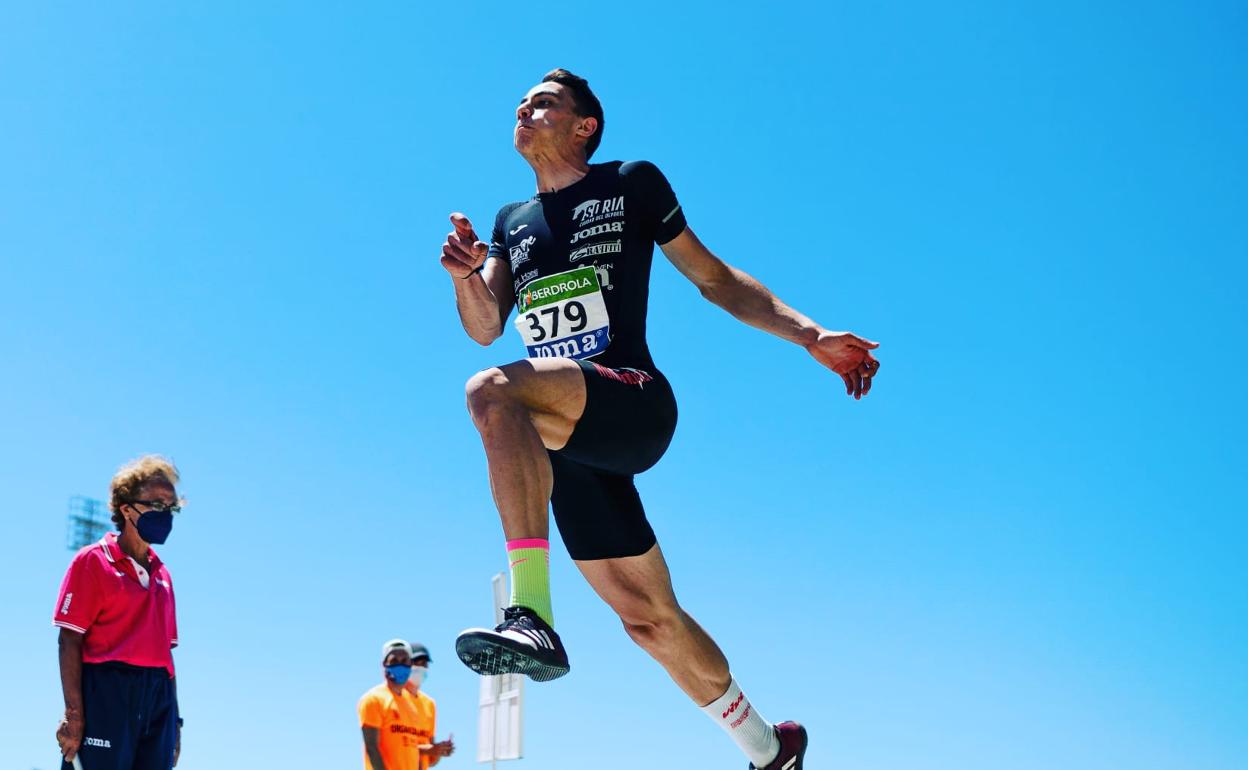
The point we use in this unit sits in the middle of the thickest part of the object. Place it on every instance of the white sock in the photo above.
(755, 735)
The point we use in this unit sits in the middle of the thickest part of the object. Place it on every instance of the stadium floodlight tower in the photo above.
(500, 719)
(87, 522)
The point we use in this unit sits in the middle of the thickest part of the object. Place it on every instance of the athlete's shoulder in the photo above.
(639, 169)
(507, 208)
(643, 176)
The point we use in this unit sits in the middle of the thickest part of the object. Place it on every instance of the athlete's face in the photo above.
(546, 121)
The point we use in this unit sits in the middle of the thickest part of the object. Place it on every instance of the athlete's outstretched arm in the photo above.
(483, 292)
(748, 300)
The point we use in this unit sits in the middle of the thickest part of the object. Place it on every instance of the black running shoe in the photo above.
(792, 737)
(521, 644)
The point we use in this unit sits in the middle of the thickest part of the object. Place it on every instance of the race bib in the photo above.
(564, 315)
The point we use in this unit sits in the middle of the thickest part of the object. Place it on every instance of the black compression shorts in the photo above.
(629, 419)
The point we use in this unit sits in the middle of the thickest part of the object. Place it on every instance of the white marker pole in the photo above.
(77, 763)
(500, 722)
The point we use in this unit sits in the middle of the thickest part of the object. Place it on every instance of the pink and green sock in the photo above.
(530, 576)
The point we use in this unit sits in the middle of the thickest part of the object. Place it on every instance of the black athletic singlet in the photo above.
(580, 262)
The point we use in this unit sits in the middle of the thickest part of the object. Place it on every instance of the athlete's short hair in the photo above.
(583, 100)
(131, 477)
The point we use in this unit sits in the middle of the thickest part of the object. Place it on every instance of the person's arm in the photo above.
(69, 732)
(483, 291)
(751, 302)
(372, 747)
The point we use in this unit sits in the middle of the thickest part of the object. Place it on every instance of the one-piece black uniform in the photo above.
(580, 267)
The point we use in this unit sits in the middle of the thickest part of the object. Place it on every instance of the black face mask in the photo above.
(154, 526)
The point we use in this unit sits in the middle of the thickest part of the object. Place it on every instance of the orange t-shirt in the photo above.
(405, 722)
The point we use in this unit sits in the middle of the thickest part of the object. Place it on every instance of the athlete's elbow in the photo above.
(720, 295)
(484, 337)
(718, 285)
(712, 291)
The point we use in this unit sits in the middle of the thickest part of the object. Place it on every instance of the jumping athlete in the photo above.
(572, 423)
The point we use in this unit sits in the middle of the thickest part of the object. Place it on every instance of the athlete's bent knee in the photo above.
(651, 626)
(486, 392)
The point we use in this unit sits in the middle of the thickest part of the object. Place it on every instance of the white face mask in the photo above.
(419, 675)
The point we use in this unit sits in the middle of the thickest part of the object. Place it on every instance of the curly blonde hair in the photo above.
(131, 477)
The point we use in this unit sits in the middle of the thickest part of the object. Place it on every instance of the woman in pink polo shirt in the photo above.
(117, 629)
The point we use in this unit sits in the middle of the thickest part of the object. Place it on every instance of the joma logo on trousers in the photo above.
(99, 743)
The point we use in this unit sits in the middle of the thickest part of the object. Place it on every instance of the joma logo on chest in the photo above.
(606, 227)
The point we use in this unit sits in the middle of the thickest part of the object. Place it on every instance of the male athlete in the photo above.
(572, 423)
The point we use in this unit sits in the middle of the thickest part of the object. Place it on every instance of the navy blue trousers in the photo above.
(131, 716)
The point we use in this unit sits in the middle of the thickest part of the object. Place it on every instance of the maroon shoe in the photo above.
(792, 737)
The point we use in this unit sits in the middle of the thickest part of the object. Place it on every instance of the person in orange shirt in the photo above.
(397, 719)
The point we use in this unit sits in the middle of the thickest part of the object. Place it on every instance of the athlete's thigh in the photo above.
(636, 587)
(599, 514)
(553, 390)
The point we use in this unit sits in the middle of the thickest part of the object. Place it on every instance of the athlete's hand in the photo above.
(177, 748)
(849, 356)
(69, 735)
(463, 252)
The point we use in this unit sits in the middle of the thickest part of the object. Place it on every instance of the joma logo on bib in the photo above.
(590, 232)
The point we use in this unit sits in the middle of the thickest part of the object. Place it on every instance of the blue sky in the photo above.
(219, 229)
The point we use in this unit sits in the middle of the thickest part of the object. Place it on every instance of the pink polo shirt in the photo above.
(101, 597)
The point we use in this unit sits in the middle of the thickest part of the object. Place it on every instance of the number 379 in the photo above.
(545, 322)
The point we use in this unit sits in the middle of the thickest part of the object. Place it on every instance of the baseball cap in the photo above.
(413, 650)
(395, 644)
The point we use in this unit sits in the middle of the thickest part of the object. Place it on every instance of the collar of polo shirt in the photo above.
(112, 550)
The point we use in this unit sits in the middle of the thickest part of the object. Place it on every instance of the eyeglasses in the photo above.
(160, 506)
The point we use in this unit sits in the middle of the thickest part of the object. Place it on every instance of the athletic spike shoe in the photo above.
(521, 644)
(792, 737)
